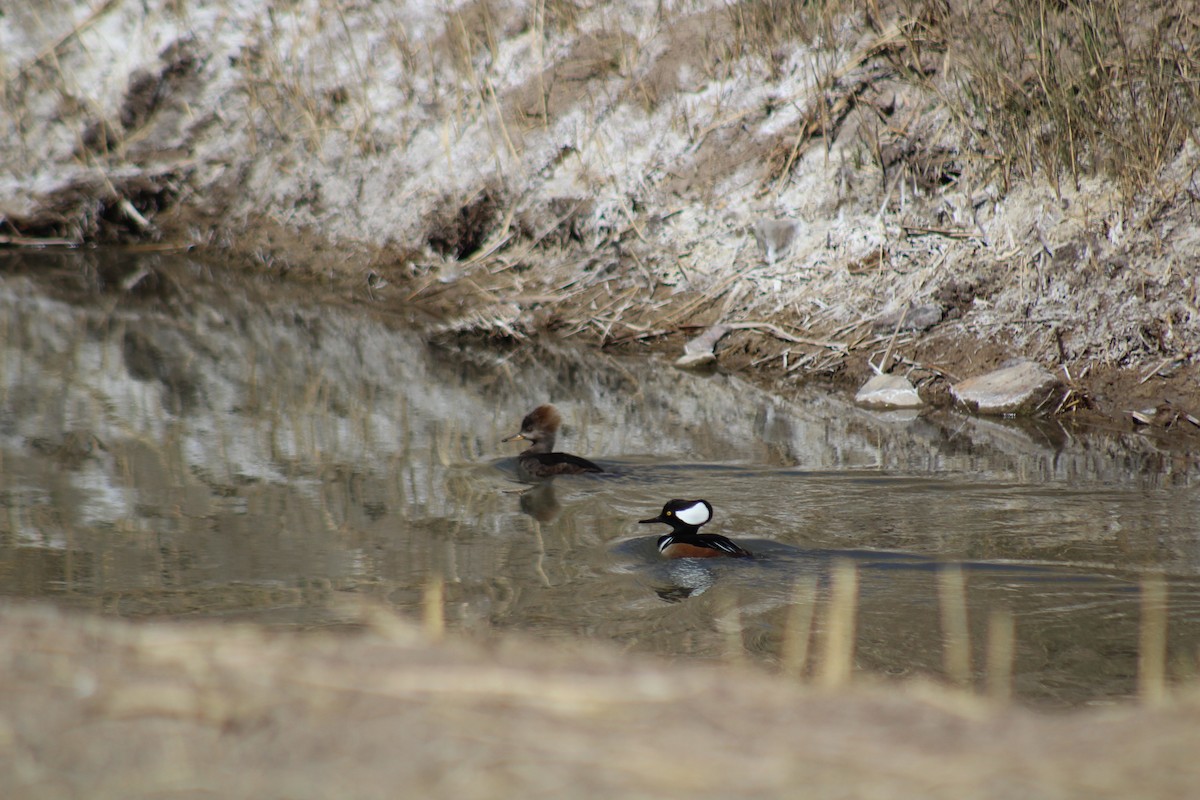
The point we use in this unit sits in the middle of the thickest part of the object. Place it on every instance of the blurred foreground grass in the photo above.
(104, 708)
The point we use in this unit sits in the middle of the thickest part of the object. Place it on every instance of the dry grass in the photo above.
(105, 708)
(1074, 89)
(1054, 91)
(760, 27)
(1062, 91)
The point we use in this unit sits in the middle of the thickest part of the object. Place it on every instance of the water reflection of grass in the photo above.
(819, 640)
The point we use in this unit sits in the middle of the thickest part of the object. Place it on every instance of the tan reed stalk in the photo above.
(797, 630)
(1000, 653)
(956, 641)
(837, 652)
(433, 607)
(729, 623)
(539, 565)
(1152, 641)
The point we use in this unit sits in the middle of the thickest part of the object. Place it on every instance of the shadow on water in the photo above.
(176, 444)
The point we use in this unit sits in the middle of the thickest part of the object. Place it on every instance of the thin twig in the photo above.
(780, 333)
(949, 233)
(53, 48)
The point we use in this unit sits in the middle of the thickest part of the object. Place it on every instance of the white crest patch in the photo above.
(695, 514)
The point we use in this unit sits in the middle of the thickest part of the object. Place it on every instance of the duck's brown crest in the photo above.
(544, 416)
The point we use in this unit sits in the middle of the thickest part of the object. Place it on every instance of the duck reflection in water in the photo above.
(540, 503)
(685, 579)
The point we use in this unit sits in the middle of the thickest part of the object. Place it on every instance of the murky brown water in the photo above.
(200, 447)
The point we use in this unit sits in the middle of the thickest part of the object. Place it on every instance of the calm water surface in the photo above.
(199, 447)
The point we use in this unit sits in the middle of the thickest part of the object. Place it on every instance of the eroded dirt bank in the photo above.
(629, 173)
(103, 708)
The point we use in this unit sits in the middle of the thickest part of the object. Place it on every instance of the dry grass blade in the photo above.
(956, 641)
(837, 655)
(36, 241)
(1001, 642)
(52, 49)
(949, 233)
(434, 601)
(794, 650)
(780, 333)
(1152, 641)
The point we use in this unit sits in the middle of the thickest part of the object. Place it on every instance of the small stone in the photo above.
(774, 237)
(888, 391)
(1164, 415)
(1018, 389)
(695, 360)
(700, 352)
(915, 318)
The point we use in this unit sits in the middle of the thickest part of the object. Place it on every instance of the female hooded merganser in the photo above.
(539, 428)
(685, 539)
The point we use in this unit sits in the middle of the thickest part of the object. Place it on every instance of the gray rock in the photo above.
(701, 351)
(916, 318)
(888, 391)
(1017, 389)
(774, 237)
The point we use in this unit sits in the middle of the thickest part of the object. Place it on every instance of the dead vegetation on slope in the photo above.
(1027, 169)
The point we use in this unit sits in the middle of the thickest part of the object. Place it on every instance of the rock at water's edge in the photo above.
(1018, 389)
(701, 351)
(888, 391)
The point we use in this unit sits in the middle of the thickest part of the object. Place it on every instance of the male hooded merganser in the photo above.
(539, 428)
(685, 539)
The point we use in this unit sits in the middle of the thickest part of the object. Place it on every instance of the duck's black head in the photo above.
(684, 515)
